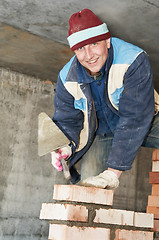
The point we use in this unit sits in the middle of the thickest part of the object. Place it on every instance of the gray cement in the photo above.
(30, 54)
(27, 180)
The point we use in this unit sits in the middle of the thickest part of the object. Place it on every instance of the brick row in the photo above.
(83, 194)
(64, 232)
(132, 235)
(69, 212)
(124, 217)
(77, 213)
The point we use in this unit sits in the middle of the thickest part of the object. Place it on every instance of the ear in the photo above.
(108, 42)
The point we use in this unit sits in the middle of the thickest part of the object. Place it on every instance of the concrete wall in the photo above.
(26, 180)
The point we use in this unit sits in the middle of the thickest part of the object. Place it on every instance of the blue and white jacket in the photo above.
(130, 95)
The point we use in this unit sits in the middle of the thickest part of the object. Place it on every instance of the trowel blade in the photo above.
(50, 137)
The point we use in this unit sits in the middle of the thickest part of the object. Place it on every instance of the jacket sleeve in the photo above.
(66, 117)
(136, 110)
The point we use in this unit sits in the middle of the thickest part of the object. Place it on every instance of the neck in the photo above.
(94, 75)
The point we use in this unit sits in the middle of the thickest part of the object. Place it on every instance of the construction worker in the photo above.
(104, 103)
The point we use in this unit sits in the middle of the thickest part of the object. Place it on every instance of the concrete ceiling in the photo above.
(33, 32)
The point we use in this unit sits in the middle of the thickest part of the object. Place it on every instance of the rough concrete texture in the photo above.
(27, 180)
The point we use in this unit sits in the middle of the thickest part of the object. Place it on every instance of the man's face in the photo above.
(93, 56)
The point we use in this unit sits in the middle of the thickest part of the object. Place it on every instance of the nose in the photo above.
(88, 52)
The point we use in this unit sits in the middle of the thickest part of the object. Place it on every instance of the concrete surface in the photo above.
(27, 53)
(26, 180)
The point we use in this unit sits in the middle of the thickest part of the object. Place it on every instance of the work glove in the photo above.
(56, 157)
(107, 179)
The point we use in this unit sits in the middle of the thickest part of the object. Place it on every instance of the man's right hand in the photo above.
(64, 153)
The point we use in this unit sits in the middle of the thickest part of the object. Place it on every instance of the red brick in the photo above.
(153, 201)
(155, 189)
(153, 177)
(155, 155)
(69, 212)
(83, 194)
(114, 216)
(156, 226)
(64, 232)
(154, 210)
(145, 220)
(132, 235)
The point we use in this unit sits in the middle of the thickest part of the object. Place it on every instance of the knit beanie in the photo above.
(86, 28)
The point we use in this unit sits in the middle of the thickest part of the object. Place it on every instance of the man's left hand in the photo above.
(107, 179)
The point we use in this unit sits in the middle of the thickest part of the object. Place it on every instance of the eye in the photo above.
(94, 44)
(79, 50)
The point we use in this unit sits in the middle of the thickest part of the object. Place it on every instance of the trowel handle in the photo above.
(66, 171)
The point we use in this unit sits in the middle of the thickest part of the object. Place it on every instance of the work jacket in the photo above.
(129, 93)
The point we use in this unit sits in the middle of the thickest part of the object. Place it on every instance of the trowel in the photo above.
(51, 138)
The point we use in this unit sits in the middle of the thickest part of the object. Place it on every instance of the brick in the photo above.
(153, 201)
(156, 226)
(155, 166)
(132, 235)
(83, 194)
(145, 220)
(114, 216)
(64, 232)
(155, 155)
(69, 212)
(154, 210)
(155, 189)
(153, 177)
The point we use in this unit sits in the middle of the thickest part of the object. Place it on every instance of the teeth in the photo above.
(93, 61)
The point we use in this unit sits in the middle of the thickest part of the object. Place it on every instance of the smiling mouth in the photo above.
(92, 61)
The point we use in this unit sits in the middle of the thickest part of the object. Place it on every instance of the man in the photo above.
(104, 103)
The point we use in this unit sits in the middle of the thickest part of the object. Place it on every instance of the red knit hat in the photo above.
(86, 28)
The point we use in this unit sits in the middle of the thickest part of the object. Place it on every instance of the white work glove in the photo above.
(64, 153)
(107, 179)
